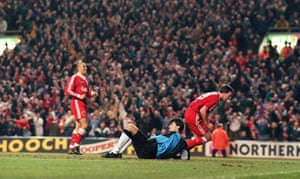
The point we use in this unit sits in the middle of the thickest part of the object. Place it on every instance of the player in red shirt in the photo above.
(78, 88)
(196, 114)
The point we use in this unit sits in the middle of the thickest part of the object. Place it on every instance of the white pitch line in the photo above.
(253, 175)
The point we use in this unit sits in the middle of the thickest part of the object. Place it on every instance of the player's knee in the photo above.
(131, 128)
(83, 124)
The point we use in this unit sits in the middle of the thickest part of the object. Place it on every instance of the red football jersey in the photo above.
(210, 100)
(77, 85)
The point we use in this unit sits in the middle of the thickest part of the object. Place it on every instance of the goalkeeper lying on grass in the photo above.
(171, 145)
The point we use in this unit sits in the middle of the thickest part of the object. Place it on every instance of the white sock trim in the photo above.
(81, 131)
(74, 131)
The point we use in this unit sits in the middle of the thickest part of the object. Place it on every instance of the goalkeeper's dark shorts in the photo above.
(144, 148)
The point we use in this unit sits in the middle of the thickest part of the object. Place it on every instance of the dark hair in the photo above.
(226, 89)
(178, 121)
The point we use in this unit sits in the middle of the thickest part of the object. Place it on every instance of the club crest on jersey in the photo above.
(83, 113)
(84, 89)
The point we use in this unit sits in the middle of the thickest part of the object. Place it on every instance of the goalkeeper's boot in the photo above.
(185, 154)
(112, 155)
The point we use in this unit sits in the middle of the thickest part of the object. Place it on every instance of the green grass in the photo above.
(42, 165)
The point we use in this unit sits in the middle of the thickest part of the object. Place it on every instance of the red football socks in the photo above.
(194, 141)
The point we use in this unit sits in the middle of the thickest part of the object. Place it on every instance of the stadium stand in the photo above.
(156, 56)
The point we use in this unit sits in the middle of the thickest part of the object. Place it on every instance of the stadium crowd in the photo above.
(148, 59)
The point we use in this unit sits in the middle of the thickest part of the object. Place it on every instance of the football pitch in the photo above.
(56, 166)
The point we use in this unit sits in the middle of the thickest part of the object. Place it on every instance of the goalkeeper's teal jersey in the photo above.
(166, 143)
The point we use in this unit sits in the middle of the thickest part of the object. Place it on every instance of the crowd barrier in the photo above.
(90, 145)
(259, 149)
(239, 148)
(54, 144)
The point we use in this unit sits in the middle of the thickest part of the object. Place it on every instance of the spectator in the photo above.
(38, 124)
(3, 24)
(234, 125)
(94, 122)
(220, 140)
(286, 50)
(282, 23)
(295, 131)
(264, 54)
(3, 126)
(11, 129)
(23, 127)
(52, 126)
(284, 131)
(263, 127)
(67, 124)
(102, 130)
